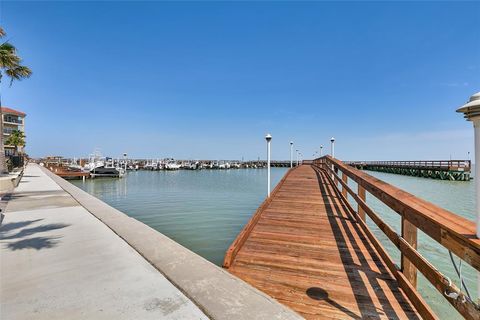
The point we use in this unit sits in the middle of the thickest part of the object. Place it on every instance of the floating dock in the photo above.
(454, 170)
(310, 249)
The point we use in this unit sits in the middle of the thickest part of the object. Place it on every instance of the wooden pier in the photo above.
(309, 248)
(454, 170)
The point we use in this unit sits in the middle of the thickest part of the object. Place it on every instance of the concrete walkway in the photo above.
(58, 261)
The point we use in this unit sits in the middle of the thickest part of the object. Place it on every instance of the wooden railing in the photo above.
(446, 165)
(455, 233)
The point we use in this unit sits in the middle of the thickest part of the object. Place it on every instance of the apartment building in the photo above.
(12, 120)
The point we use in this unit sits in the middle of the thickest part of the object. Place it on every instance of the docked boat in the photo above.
(224, 165)
(172, 165)
(107, 172)
(103, 167)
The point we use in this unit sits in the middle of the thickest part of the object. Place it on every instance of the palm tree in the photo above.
(11, 66)
(16, 139)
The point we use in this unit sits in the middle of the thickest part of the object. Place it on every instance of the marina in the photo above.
(104, 167)
(239, 160)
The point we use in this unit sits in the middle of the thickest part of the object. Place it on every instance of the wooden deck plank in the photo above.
(307, 251)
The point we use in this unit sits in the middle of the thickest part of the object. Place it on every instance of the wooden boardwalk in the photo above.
(305, 249)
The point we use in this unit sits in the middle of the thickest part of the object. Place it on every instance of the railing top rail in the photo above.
(450, 230)
(412, 161)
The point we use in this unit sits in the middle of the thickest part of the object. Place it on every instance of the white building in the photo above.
(12, 120)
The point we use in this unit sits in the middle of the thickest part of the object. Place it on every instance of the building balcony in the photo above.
(13, 121)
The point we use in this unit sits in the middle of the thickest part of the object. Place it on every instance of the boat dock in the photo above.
(310, 248)
(454, 170)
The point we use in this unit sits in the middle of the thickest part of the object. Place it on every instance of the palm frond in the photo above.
(8, 56)
(10, 62)
(18, 73)
(8, 47)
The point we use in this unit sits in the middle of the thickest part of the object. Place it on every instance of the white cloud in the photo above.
(455, 84)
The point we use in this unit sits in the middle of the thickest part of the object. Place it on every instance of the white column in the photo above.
(476, 126)
(268, 168)
(291, 154)
(333, 156)
(268, 137)
(471, 111)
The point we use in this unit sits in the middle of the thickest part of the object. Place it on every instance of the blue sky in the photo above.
(209, 79)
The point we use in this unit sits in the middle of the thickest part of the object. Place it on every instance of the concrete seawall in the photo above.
(200, 288)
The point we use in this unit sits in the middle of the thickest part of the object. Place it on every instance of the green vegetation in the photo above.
(16, 139)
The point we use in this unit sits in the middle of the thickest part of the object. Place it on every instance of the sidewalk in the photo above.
(57, 261)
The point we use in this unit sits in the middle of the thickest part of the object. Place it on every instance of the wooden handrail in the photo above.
(452, 231)
(418, 302)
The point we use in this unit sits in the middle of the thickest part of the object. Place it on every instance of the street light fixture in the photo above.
(268, 137)
(321, 150)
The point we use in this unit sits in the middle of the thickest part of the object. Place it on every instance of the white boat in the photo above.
(99, 166)
(224, 165)
(236, 165)
(171, 165)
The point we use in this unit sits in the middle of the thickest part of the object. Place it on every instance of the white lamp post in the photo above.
(291, 154)
(268, 137)
(333, 146)
(471, 111)
(296, 154)
(125, 160)
(321, 151)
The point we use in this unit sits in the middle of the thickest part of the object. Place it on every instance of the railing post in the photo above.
(409, 233)
(344, 190)
(362, 195)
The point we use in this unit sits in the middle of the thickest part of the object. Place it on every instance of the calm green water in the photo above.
(205, 210)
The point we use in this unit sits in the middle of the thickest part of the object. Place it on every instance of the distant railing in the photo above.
(447, 165)
(453, 232)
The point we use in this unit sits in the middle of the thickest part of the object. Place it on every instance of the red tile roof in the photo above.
(12, 111)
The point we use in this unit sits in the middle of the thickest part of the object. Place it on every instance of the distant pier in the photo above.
(454, 170)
